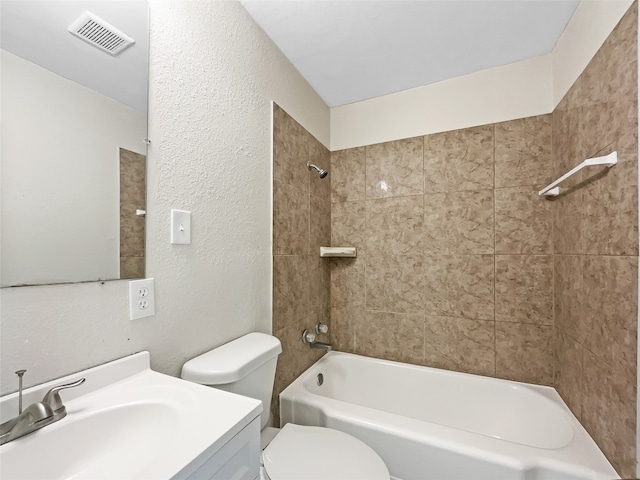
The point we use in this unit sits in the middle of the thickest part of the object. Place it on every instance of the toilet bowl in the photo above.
(318, 453)
(247, 366)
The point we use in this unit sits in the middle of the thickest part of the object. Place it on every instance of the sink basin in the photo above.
(135, 423)
(113, 452)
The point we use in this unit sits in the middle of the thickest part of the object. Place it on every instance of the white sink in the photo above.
(126, 422)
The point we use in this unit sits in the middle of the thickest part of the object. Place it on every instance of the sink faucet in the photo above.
(36, 415)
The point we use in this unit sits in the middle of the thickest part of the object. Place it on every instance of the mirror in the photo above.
(74, 129)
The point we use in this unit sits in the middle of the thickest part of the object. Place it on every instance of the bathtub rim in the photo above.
(476, 445)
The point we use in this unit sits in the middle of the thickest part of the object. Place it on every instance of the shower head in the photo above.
(321, 173)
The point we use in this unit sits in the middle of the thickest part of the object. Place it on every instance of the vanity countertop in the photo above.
(126, 421)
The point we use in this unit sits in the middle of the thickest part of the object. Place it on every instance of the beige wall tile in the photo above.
(131, 267)
(524, 352)
(394, 225)
(395, 168)
(566, 120)
(609, 413)
(320, 286)
(568, 221)
(132, 226)
(459, 222)
(569, 377)
(460, 344)
(343, 328)
(459, 160)
(320, 157)
(569, 301)
(290, 150)
(132, 239)
(319, 224)
(348, 282)
(523, 152)
(395, 283)
(610, 203)
(611, 313)
(348, 174)
(609, 88)
(290, 220)
(392, 336)
(524, 289)
(290, 289)
(459, 286)
(348, 225)
(132, 178)
(523, 221)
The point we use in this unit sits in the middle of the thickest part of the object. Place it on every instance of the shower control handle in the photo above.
(321, 328)
(308, 337)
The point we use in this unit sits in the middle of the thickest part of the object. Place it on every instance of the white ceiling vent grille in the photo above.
(97, 32)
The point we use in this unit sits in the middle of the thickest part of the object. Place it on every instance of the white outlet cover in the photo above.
(142, 298)
(180, 227)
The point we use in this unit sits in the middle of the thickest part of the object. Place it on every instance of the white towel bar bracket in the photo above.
(553, 189)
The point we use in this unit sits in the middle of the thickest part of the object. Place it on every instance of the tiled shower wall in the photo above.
(132, 198)
(301, 224)
(456, 265)
(596, 247)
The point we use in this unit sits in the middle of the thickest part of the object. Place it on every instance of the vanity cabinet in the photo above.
(238, 459)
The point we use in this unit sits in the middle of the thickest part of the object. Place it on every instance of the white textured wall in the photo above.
(522, 89)
(60, 162)
(213, 76)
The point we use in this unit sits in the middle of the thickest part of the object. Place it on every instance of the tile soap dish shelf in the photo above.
(337, 251)
(553, 189)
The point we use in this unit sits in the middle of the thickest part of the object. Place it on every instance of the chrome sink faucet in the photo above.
(36, 415)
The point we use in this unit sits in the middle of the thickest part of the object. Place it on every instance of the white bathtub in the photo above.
(430, 424)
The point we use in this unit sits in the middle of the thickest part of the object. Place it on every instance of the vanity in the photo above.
(128, 422)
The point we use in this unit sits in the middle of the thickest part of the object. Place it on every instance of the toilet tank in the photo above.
(246, 366)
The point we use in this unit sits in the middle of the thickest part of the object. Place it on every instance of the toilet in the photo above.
(247, 366)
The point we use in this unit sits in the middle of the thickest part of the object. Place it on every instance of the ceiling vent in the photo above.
(100, 34)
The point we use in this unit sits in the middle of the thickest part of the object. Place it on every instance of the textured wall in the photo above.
(213, 76)
(301, 224)
(596, 247)
(454, 266)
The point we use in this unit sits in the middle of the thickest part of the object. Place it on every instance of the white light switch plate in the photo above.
(180, 227)
(142, 298)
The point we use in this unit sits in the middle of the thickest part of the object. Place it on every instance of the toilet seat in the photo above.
(318, 453)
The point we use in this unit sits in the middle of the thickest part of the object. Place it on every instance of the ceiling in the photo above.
(36, 30)
(355, 50)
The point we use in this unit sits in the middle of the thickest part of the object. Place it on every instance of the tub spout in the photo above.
(321, 346)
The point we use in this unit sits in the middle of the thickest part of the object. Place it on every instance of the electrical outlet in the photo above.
(142, 301)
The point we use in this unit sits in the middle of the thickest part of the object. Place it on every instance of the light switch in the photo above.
(180, 227)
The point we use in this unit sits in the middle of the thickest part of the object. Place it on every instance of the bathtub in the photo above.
(431, 424)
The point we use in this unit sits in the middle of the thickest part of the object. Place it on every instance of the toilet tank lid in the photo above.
(232, 361)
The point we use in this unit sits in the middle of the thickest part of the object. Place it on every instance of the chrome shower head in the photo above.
(321, 173)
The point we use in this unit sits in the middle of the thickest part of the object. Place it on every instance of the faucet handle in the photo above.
(52, 398)
(308, 337)
(321, 328)
(20, 374)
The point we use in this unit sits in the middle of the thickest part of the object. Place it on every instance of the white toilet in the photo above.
(247, 366)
